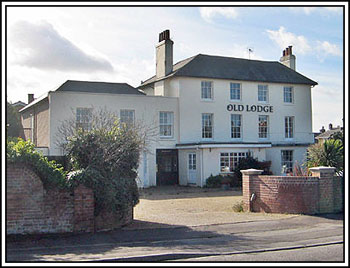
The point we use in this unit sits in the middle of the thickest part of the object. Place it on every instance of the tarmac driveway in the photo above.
(166, 206)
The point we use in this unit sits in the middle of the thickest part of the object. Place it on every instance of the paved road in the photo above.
(246, 241)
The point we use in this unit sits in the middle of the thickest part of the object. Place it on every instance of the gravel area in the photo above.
(172, 206)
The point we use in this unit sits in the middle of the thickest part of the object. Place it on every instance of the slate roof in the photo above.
(328, 133)
(218, 67)
(99, 87)
(90, 87)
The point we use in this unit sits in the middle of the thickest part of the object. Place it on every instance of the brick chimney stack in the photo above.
(30, 98)
(164, 55)
(288, 59)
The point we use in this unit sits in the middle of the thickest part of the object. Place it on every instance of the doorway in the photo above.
(167, 167)
(192, 168)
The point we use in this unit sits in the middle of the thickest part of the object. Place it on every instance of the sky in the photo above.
(48, 45)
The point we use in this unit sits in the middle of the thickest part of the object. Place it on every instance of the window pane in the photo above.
(83, 118)
(166, 124)
(235, 91)
(206, 90)
(262, 93)
(229, 161)
(287, 159)
(236, 124)
(288, 94)
(289, 126)
(207, 126)
(263, 126)
(127, 116)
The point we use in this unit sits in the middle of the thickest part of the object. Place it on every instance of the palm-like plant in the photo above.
(328, 153)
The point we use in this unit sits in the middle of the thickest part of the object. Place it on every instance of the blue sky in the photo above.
(47, 46)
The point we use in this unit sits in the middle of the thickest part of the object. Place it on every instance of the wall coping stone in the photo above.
(322, 168)
(251, 171)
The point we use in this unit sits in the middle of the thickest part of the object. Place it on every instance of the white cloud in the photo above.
(208, 13)
(41, 46)
(301, 45)
(284, 39)
(326, 48)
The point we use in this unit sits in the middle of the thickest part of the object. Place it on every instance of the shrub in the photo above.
(50, 173)
(329, 153)
(238, 207)
(247, 163)
(106, 161)
(214, 181)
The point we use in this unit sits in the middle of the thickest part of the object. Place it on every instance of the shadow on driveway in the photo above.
(89, 246)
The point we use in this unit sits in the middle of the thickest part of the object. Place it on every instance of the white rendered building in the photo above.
(210, 111)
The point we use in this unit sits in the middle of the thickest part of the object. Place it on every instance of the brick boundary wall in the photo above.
(31, 209)
(320, 193)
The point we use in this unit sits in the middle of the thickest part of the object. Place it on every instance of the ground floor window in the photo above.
(229, 161)
(287, 159)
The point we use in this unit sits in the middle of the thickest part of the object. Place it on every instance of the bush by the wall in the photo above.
(50, 173)
(214, 181)
(247, 163)
(106, 161)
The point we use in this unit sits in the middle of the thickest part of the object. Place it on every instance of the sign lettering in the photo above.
(250, 108)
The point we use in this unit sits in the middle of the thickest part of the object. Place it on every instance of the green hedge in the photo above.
(50, 173)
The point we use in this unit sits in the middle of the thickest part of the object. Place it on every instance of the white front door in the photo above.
(192, 168)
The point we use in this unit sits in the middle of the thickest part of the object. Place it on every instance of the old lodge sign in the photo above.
(250, 108)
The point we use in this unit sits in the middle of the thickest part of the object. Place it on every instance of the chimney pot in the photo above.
(284, 53)
(322, 130)
(330, 126)
(30, 98)
(290, 50)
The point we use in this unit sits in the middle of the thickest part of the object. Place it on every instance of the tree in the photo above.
(13, 121)
(339, 135)
(105, 158)
(104, 119)
(329, 153)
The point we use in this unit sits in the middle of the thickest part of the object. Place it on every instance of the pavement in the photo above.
(181, 235)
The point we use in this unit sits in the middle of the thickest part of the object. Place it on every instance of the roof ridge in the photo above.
(69, 80)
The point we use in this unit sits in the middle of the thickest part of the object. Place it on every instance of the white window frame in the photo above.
(287, 162)
(210, 126)
(166, 122)
(263, 134)
(263, 90)
(207, 90)
(234, 128)
(127, 116)
(233, 91)
(289, 125)
(230, 160)
(83, 120)
(192, 161)
(288, 97)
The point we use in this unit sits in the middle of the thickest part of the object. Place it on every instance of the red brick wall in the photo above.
(338, 186)
(83, 209)
(31, 209)
(279, 194)
(292, 194)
